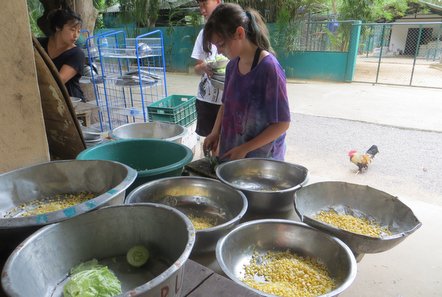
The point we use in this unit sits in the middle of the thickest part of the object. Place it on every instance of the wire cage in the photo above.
(132, 75)
(91, 76)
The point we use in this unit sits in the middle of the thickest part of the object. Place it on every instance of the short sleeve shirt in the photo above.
(73, 57)
(251, 103)
(206, 91)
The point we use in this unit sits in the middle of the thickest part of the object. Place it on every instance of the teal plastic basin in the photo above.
(151, 158)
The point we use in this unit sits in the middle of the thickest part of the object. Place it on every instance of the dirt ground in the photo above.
(399, 71)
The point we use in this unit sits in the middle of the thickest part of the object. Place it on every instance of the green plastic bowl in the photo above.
(152, 158)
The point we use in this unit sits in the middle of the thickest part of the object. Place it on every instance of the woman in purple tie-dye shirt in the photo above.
(255, 113)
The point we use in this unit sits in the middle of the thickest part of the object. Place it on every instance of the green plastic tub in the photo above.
(152, 158)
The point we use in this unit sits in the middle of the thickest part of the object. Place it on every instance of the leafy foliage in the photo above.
(103, 4)
(35, 10)
(143, 12)
(272, 10)
(379, 10)
(289, 19)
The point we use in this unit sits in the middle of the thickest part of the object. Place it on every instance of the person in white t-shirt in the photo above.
(208, 97)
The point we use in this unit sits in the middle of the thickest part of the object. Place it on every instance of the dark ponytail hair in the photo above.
(59, 17)
(227, 17)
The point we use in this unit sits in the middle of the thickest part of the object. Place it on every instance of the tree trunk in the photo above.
(85, 8)
(87, 12)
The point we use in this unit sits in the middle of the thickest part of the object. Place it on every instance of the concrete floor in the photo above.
(414, 267)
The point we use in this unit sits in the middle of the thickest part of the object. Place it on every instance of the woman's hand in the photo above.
(211, 143)
(202, 67)
(238, 152)
(271, 133)
(212, 140)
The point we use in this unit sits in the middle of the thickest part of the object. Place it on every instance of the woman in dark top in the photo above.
(60, 45)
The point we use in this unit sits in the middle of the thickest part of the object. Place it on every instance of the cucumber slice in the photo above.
(137, 256)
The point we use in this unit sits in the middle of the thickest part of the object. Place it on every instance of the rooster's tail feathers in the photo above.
(373, 150)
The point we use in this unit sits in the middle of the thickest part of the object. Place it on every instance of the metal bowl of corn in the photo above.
(276, 257)
(366, 219)
(51, 192)
(213, 207)
(268, 184)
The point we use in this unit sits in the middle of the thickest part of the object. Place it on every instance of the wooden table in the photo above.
(200, 281)
(86, 113)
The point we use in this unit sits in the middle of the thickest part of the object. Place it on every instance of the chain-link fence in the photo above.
(313, 36)
(402, 53)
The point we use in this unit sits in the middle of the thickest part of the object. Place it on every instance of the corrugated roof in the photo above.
(433, 7)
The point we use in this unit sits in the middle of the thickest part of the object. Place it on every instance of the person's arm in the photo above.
(202, 67)
(199, 55)
(212, 140)
(271, 133)
(72, 64)
(66, 73)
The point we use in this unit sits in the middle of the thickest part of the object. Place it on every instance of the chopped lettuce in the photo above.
(90, 279)
(220, 58)
(220, 71)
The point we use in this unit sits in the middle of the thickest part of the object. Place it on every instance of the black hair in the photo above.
(60, 17)
(226, 18)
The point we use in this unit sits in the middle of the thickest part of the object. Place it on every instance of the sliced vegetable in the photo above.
(90, 279)
(138, 255)
(220, 71)
(220, 58)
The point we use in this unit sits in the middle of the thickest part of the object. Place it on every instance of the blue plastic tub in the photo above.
(152, 158)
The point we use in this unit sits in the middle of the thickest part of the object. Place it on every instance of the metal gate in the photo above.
(401, 53)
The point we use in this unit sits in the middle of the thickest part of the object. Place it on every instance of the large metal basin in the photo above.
(236, 249)
(40, 265)
(157, 130)
(109, 179)
(382, 207)
(268, 184)
(198, 196)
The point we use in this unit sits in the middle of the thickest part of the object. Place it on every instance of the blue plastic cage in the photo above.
(131, 75)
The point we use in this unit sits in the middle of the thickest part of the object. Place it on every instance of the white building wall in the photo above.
(399, 32)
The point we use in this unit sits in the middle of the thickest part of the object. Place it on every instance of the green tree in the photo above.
(290, 18)
(379, 10)
(101, 6)
(84, 8)
(35, 10)
(143, 12)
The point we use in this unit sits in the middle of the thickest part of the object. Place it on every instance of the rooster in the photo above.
(363, 160)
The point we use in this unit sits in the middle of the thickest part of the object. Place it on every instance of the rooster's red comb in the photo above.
(351, 153)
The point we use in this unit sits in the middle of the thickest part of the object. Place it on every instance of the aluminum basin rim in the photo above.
(59, 215)
(232, 221)
(295, 187)
(346, 283)
(330, 228)
(114, 131)
(174, 267)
